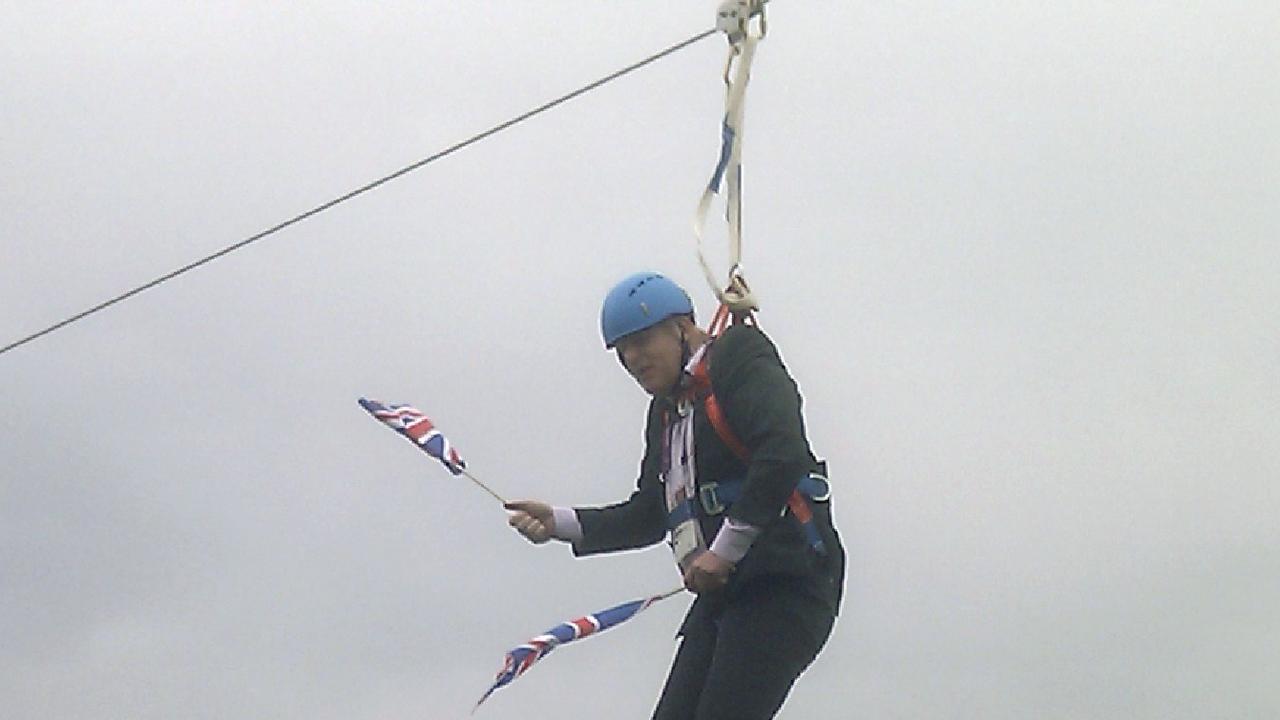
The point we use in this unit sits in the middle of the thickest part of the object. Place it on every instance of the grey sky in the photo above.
(1022, 260)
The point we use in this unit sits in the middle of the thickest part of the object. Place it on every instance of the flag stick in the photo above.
(668, 593)
(486, 488)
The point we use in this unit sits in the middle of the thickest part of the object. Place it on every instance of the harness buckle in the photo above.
(820, 488)
(710, 499)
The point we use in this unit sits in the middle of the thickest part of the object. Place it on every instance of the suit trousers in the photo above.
(740, 655)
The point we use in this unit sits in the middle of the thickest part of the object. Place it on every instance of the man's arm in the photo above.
(763, 407)
(638, 522)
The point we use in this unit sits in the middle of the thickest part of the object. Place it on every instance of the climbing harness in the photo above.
(735, 19)
(715, 498)
(685, 494)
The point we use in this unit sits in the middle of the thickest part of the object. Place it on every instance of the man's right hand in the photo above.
(532, 519)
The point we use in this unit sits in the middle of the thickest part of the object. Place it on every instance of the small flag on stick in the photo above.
(413, 424)
(418, 428)
(524, 656)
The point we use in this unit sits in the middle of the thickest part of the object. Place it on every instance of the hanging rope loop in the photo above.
(734, 19)
(730, 313)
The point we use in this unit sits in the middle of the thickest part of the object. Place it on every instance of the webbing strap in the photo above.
(734, 17)
(725, 317)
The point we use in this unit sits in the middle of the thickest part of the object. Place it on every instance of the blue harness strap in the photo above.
(681, 513)
(716, 497)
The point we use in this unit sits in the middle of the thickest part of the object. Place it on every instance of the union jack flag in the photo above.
(411, 423)
(524, 656)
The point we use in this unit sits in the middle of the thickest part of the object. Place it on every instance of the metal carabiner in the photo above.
(732, 18)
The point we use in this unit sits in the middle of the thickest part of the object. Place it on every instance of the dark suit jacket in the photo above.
(762, 405)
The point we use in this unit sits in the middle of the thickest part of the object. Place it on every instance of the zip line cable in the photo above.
(364, 188)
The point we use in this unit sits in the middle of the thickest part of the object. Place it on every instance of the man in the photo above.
(728, 475)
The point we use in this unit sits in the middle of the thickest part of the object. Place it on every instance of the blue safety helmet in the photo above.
(641, 301)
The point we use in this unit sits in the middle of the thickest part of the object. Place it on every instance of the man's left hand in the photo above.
(708, 573)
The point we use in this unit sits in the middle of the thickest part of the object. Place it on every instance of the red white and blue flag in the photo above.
(411, 423)
(523, 657)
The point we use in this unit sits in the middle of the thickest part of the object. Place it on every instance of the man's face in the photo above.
(652, 356)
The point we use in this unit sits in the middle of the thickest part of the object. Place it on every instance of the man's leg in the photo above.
(688, 672)
(761, 647)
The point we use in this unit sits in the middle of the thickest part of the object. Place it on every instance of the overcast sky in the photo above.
(1022, 259)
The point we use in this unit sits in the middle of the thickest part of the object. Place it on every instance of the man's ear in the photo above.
(682, 333)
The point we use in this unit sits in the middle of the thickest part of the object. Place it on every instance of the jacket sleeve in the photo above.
(639, 521)
(762, 405)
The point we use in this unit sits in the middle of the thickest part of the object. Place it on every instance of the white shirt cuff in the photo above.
(734, 540)
(567, 527)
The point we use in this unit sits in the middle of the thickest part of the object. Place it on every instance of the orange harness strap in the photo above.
(702, 381)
